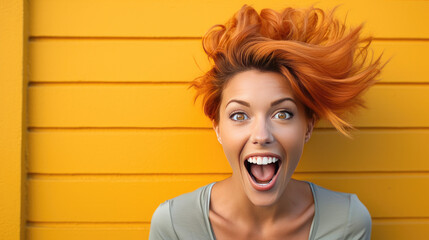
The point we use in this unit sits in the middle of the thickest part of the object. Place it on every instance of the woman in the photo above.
(274, 75)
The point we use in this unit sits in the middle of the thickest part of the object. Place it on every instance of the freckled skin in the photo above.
(250, 124)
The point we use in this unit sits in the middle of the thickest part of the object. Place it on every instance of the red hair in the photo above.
(325, 64)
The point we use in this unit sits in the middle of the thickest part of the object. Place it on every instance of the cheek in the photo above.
(233, 141)
(292, 140)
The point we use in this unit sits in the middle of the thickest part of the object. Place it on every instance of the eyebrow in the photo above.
(239, 102)
(282, 100)
(272, 104)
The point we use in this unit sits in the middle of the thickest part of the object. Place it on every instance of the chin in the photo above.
(264, 198)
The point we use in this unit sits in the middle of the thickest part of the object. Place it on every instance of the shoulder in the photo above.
(359, 221)
(183, 217)
(161, 226)
(340, 215)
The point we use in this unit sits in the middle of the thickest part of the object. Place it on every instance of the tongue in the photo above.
(263, 173)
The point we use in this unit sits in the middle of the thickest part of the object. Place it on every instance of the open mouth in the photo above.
(262, 170)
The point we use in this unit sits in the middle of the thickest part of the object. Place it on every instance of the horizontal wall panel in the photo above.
(381, 229)
(91, 232)
(385, 195)
(116, 60)
(114, 105)
(395, 106)
(139, 105)
(179, 60)
(387, 19)
(107, 199)
(134, 198)
(146, 151)
(400, 229)
(407, 60)
(159, 151)
(369, 150)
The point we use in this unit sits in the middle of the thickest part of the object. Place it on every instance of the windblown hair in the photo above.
(324, 62)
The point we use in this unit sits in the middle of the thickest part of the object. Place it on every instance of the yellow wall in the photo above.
(13, 88)
(112, 130)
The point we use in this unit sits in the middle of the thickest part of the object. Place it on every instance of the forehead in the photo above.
(254, 84)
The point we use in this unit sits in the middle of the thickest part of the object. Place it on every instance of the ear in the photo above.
(310, 126)
(216, 129)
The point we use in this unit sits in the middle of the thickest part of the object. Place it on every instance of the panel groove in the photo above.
(398, 84)
(54, 38)
(73, 38)
(400, 39)
(164, 176)
(85, 224)
(176, 83)
(75, 129)
(139, 223)
(121, 176)
(391, 219)
(97, 83)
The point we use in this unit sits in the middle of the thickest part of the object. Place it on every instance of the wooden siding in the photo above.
(13, 108)
(113, 131)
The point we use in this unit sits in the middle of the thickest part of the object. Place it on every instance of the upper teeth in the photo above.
(262, 160)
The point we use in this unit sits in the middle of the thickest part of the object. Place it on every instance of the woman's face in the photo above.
(262, 128)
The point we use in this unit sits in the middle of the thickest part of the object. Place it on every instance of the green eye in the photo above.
(239, 117)
(283, 115)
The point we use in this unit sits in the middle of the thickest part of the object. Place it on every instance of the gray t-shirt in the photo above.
(337, 216)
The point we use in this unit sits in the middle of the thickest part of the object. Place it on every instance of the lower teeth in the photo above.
(263, 184)
(260, 184)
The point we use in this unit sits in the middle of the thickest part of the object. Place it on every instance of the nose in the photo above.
(261, 133)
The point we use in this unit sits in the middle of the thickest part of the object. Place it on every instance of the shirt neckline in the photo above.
(314, 223)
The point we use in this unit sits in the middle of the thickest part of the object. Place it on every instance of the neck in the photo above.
(232, 203)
